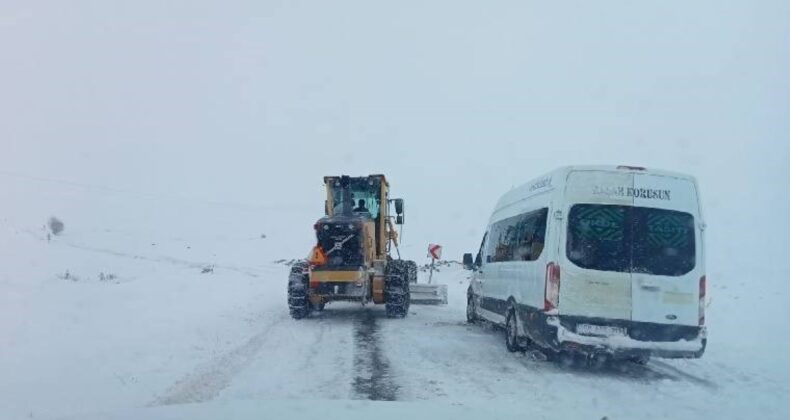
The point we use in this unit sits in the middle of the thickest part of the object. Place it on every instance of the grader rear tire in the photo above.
(411, 269)
(396, 289)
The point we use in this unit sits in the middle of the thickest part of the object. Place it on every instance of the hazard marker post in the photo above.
(435, 252)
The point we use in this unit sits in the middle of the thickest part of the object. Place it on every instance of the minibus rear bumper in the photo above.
(628, 339)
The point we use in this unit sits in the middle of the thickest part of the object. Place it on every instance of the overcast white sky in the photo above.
(456, 101)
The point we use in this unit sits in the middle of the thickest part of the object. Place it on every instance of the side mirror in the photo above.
(468, 263)
(398, 206)
(399, 219)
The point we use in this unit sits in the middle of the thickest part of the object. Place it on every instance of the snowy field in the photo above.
(136, 324)
(183, 145)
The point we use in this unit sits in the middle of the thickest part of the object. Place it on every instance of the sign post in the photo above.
(435, 252)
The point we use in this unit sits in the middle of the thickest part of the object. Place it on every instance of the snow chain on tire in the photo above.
(411, 267)
(396, 289)
(298, 304)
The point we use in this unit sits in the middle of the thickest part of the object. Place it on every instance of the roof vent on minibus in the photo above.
(632, 168)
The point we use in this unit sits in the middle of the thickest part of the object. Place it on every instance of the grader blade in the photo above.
(428, 294)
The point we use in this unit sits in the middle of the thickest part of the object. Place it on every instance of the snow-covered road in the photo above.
(161, 332)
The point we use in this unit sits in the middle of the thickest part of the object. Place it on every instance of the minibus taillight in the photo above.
(552, 292)
(702, 288)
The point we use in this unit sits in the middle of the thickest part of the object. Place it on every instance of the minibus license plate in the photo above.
(600, 330)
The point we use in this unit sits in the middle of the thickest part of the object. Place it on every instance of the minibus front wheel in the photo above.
(512, 340)
(471, 309)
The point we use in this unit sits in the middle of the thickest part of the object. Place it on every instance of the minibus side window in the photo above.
(481, 251)
(530, 236)
(518, 238)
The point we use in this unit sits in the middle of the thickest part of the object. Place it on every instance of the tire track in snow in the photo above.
(164, 259)
(207, 382)
(656, 370)
(372, 377)
(328, 386)
(248, 271)
(669, 370)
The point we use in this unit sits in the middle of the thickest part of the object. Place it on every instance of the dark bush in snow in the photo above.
(107, 277)
(55, 225)
(68, 276)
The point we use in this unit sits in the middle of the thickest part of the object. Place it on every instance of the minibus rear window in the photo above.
(631, 239)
